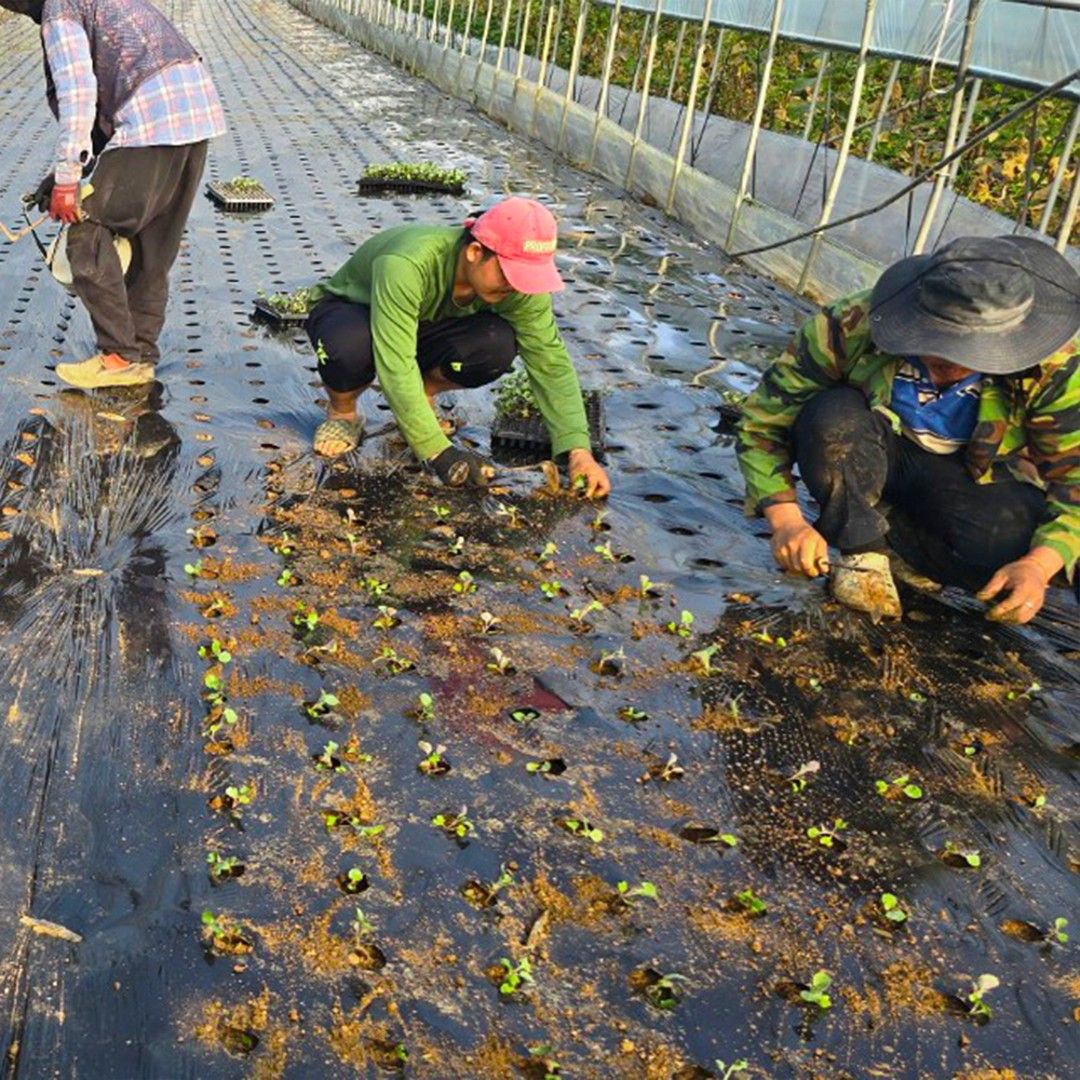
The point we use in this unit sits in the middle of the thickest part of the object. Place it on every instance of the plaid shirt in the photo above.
(175, 107)
(1028, 419)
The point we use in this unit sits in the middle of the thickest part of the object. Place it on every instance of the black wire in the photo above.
(975, 140)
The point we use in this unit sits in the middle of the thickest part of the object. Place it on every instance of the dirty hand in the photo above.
(462, 468)
(584, 467)
(64, 204)
(1025, 583)
(796, 545)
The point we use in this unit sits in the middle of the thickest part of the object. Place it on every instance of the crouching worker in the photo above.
(426, 309)
(935, 419)
(129, 90)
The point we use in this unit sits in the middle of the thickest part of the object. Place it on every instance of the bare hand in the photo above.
(798, 547)
(1025, 584)
(584, 466)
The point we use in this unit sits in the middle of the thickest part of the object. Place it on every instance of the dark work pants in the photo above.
(939, 520)
(470, 351)
(144, 193)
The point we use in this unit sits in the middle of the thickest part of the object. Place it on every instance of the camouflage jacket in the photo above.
(1031, 418)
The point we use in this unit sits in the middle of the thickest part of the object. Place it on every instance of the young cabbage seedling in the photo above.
(551, 589)
(395, 664)
(375, 587)
(955, 853)
(425, 708)
(632, 715)
(826, 835)
(216, 650)
(283, 546)
(221, 867)
(645, 891)
(194, 569)
(488, 623)
(978, 1008)
(434, 764)
(701, 661)
(353, 881)
(648, 589)
(579, 615)
(361, 925)
(452, 824)
(891, 908)
(325, 704)
(544, 1056)
(817, 993)
(1017, 695)
(1058, 935)
(239, 796)
(902, 784)
(682, 627)
(387, 618)
(516, 975)
(440, 511)
(726, 1072)
(611, 663)
(500, 663)
(752, 904)
(456, 546)
(328, 760)
(664, 992)
(285, 577)
(305, 618)
(511, 512)
(547, 552)
(798, 780)
(581, 827)
(465, 583)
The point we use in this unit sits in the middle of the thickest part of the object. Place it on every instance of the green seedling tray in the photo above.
(279, 320)
(249, 203)
(530, 433)
(407, 187)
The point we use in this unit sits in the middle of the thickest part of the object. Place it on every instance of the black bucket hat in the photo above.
(996, 305)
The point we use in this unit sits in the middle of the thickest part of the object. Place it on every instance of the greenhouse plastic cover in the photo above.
(1015, 41)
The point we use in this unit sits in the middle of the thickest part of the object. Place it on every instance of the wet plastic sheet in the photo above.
(106, 776)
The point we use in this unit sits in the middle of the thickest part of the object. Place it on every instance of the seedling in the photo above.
(457, 546)
(239, 796)
(524, 715)
(825, 835)
(547, 552)
(434, 764)
(216, 650)
(551, 589)
(219, 716)
(611, 663)
(361, 925)
(440, 511)
(201, 536)
(598, 524)
(977, 1008)
(297, 302)
(194, 569)
(628, 894)
(511, 512)
(488, 623)
(706, 834)
(959, 856)
(419, 171)
(543, 1056)
(548, 768)
(648, 589)
(353, 541)
(375, 587)
(223, 867)
(669, 770)
(516, 975)
(464, 584)
(285, 578)
(514, 396)
(798, 780)
(817, 992)
(701, 661)
(283, 546)
(353, 881)
(215, 607)
(632, 715)
(891, 909)
(1058, 935)
(579, 615)
(328, 760)
(751, 903)
(682, 627)
(663, 991)
(581, 827)
(457, 825)
(425, 708)
(305, 618)
(212, 682)
(605, 552)
(481, 895)
(500, 663)
(222, 935)
(387, 618)
(1018, 695)
(902, 784)
(395, 664)
(916, 697)
(726, 1072)
(767, 639)
(325, 703)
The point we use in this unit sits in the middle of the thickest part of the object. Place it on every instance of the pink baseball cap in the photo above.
(523, 234)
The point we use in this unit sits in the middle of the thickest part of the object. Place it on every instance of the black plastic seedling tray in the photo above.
(239, 204)
(407, 187)
(277, 320)
(530, 433)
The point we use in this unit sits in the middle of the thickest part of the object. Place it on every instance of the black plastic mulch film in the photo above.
(138, 526)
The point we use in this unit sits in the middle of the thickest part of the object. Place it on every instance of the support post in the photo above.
(575, 60)
(466, 37)
(1065, 231)
(605, 79)
(691, 106)
(755, 127)
(1059, 172)
(521, 43)
(823, 63)
(845, 143)
(646, 90)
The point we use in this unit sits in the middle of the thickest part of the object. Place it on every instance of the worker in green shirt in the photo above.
(935, 419)
(426, 309)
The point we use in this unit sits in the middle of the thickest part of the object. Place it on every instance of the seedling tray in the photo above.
(248, 203)
(530, 433)
(407, 187)
(278, 320)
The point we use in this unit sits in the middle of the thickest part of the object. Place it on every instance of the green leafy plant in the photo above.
(515, 975)
(285, 578)
(581, 827)
(456, 546)
(683, 626)
(328, 761)
(551, 589)
(465, 583)
(283, 545)
(375, 588)
(488, 623)
(454, 824)
(221, 867)
(216, 650)
(544, 1056)
(598, 524)
(628, 893)
(500, 663)
(361, 925)
(304, 617)
(701, 661)
(970, 856)
(387, 618)
(799, 779)
(1058, 935)
(977, 1007)
(434, 764)
(511, 512)
(664, 991)
(902, 784)
(354, 880)
(891, 909)
(632, 715)
(239, 795)
(751, 903)
(525, 714)
(611, 663)
(579, 615)
(222, 934)
(1018, 695)
(827, 835)
(514, 396)
(297, 302)
(425, 707)
(194, 569)
(242, 185)
(726, 1072)
(817, 993)
(418, 171)
(767, 639)
(648, 589)
(547, 552)
(395, 663)
(326, 703)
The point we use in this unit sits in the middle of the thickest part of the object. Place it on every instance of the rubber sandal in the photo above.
(338, 431)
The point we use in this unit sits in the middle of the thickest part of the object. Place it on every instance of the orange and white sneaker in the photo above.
(105, 370)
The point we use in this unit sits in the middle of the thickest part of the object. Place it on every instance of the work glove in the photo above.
(462, 468)
(42, 194)
(64, 204)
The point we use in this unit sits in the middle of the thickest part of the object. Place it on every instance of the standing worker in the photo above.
(936, 422)
(426, 309)
(136, 109)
